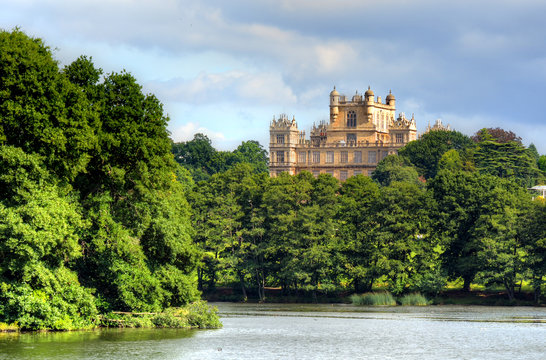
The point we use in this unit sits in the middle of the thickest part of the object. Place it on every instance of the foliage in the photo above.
(92, 200)
(395, 168)
(203, 160)
(541, 163)
(41, 111)
(195, 315)
(374, 299)
(413, 299)
(507, 160)
(498, 135)
(426, 152)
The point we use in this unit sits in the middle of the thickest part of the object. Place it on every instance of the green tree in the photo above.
(500, 252)
(507, 160)
(253, 153)
(40, 228)
(403, 235)
(41, 111)
(542, 163)
(360, 252)
(395, 168)
(532, 232)
(425, 153)
(477, 216)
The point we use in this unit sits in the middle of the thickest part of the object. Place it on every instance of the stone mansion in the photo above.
(361, 132)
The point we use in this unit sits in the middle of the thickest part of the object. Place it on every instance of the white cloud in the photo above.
(186, 131)
(243, 88)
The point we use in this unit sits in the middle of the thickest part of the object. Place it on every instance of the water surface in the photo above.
(289, 331)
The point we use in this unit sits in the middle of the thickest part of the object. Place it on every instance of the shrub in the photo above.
(373, 299)
(414, 299)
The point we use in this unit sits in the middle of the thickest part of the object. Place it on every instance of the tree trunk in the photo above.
(509, 286)
(200, 279)
(243, 288)
(466, 285)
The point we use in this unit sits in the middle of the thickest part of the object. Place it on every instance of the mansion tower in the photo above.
(360, 133)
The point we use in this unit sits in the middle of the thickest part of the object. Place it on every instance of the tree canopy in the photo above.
(93, 217)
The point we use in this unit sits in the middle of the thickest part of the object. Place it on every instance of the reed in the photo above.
(374, 299)
(413, 299)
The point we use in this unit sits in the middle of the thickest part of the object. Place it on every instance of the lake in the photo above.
(292, 331)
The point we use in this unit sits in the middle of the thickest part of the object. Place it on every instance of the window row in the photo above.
(343, 157)
(343, 174)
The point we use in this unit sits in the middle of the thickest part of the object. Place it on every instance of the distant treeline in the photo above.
(447, 207)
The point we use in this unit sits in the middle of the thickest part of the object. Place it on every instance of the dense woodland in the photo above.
(92, 216)
(101, 211)
(448, 207)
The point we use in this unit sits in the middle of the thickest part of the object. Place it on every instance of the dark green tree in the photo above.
(253, 153)
(40, 110)
(395, 168)
(425, 153)
(403, 235)
(359, 251)
(507, 160)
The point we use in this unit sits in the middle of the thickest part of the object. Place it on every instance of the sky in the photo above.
(225, 68)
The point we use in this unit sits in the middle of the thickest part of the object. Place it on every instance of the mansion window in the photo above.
(372, 157)
(330, 172)
(351, 119)
(344, 157)
(316, 173)
(399, 138)
(357, 157)
(357, 172)
(384, 154)
(329, 156)
(316, 157)
(343, 175)
(370, 172)
(301, 157)
(280, 156)
(351, 138)
(280, 139)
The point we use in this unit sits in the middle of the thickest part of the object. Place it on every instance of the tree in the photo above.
(403, 235)
(507, 160)
(477, 218)
(196, 155)
(40, 227)
(395, 168)
(40, 110)
(500, 249)
(498, 135)
(532, 232)
(425, 153)
(253, 153)
(360, 254)
(542, 163)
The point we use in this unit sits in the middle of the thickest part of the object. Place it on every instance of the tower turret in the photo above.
(334, 102)
(391, 101)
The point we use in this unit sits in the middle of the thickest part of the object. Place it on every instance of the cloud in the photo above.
(186, 131)
(460, 61)
(243, 88)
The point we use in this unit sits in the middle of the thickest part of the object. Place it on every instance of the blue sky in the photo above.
(225, 68)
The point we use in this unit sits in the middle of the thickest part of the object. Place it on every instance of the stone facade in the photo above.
(360, 133)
